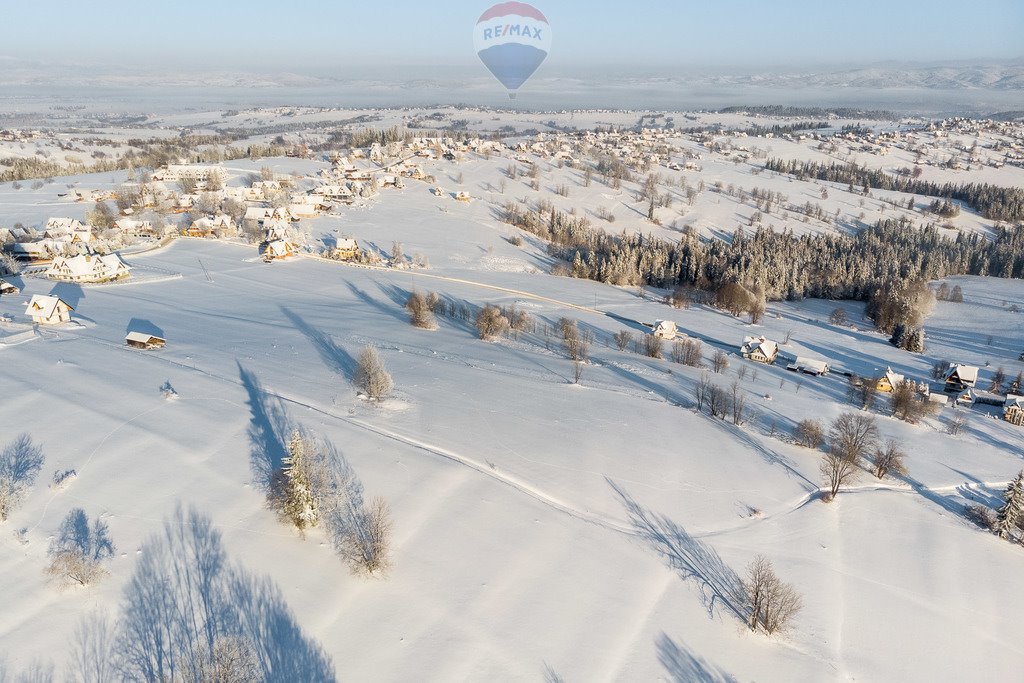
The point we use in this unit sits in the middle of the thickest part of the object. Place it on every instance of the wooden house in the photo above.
(305, 209)
(887, 382)
(143, 340)
(8, 288)
(277, 250)
(1013, 410)
(961, 377)
(48, 310)
(32, 252)
(345, 249)
(136, 228)
(463, 196)
(759, 349)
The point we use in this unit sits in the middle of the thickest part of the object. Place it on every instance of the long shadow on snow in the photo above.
(693, 559)
(333, 355)
(186, 600)
(397, 314)
(270, 428)
(683, 666)
(769, 455)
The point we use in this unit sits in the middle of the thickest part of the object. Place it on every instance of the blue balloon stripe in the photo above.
(512, 63)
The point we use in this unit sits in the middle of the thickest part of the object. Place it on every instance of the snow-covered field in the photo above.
(542, 528)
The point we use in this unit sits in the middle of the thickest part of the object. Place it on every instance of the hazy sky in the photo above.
(339, 36)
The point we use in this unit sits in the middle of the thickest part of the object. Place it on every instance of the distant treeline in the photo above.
(841, 112)
(784, 265)
(192, 149)
(991, 201)
(778, 129)
(1006, 115)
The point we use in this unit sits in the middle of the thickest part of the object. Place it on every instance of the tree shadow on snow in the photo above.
(683, 666)
(719, 585)
(332, 354)
(20, 461)
(187, 606)
(270, 427)
(397, 314)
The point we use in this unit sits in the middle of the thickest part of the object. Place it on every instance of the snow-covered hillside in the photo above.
(591, 531)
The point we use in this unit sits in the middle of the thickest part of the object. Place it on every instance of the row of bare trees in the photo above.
(852, 440)
(722, 403)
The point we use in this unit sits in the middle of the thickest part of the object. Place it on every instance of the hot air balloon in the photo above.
(512, 39)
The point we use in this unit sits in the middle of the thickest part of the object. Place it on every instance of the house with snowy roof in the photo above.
(888, 381)
(759, 349)
(961, 378)
(88, 268)
(48, 310)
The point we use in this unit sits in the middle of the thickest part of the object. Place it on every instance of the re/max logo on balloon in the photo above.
(510, 30)
(512, 39)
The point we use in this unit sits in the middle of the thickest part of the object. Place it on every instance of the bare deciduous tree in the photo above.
(420, 312)
(888, 460)
(720, 361)
(652, 346)
(773, 603)
(809, 433)
(79, 549)
(231, 659)
(369, 540)
(519, 321)
(851, 436)
(702, 390)
(490, 322)
(371, 375)
(623, 338)
(737, 403)
(957, 423)
(863, 391)
(907, 405)
(718, 402)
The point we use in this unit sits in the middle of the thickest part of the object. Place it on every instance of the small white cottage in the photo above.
(48, 310)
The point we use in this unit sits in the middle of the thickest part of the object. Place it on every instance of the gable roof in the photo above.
(87, 266)
(142, 337)
(965, 373)
(45, 306)
(814, 364)
(893, 377)
(766, 346)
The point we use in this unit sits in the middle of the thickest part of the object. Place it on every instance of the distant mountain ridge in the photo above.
(1001, 76)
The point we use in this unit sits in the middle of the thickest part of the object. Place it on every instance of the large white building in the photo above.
(88, 268)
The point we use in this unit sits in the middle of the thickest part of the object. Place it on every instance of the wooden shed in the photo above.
(144, 340)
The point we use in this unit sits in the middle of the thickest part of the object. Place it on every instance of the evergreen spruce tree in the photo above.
(1013, 507)
(913, 340)
(298, 501)
(899, 335)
